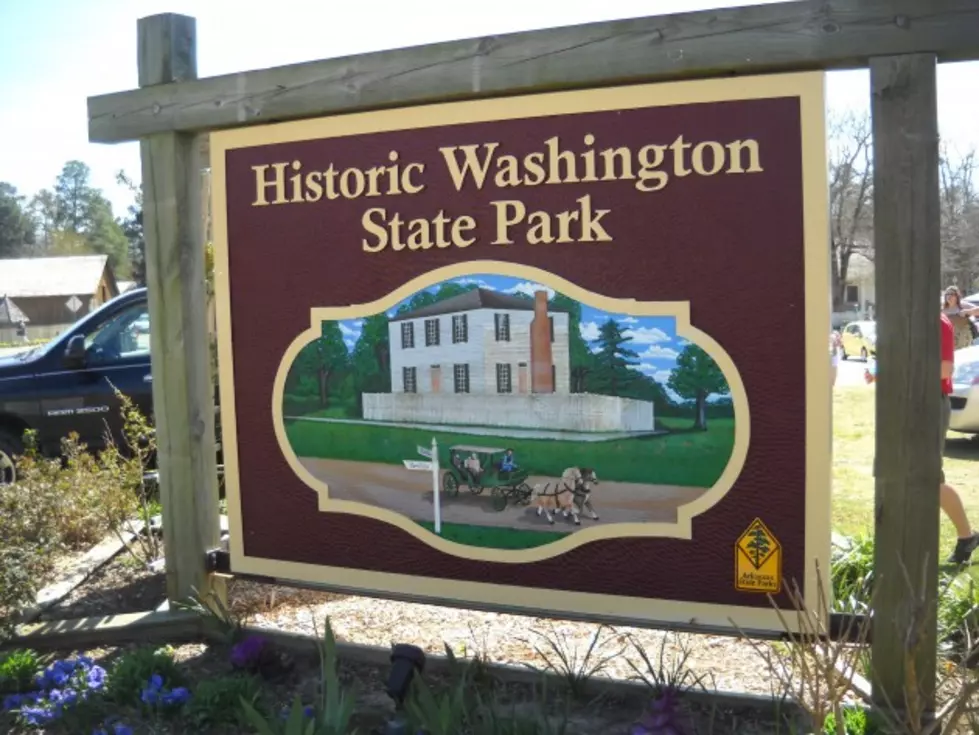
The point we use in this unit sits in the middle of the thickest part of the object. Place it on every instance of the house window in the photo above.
(460, 374)
(460, 329)
(504, 383)
(409, 377)
(852, 294)
(431, 332)
(550, 321)
(554, 377)
(502, 327)
(407, 335)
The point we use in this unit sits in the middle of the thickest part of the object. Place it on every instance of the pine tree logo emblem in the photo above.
(757, 544)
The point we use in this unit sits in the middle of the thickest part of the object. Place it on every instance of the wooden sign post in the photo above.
(183, 393)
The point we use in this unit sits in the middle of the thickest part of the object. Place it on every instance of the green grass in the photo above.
(493, 537)
(688, 458)
(853, 457)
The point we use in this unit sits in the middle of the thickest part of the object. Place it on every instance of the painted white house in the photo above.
(479, 343)
(492, 359)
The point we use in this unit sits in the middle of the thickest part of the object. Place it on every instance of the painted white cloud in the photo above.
(674, 396)
(348, 331)
(656, 352)
(628, 320)
(682, 342)
(349, 343)
(528, 288)
(655, 372)
(466, 281)
(589, 331)
(647, 335)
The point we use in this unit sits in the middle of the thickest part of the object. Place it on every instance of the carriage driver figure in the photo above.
(508, 464)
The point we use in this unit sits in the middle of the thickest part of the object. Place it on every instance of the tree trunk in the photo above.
(324, 394)
(700, 422)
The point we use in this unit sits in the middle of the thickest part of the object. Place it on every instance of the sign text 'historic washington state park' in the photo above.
(649, 169)
(564, 400)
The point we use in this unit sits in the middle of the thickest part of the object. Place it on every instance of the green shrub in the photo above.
(21, 565)
(17, 670)
(133, 669)
(852, 565)
(218, 701)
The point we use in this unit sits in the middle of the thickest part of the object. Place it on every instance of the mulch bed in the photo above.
(123, 585)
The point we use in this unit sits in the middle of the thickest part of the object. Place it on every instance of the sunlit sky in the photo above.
(56, 53)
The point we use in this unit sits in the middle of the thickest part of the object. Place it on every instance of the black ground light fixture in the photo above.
(405, 661)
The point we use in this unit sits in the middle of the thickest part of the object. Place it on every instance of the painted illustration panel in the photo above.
(498, 412)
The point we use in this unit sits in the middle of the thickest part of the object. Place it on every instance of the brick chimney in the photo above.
(541, 372)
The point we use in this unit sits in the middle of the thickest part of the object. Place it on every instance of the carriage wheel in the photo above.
(449, 485)
(525, 491)
(498, 498)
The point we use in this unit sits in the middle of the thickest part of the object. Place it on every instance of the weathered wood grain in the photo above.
(183, 392)
(110, 630)
(813, 34)
(908, 284)
(167, 48)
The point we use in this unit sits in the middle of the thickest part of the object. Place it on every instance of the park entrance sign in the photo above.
(561, 353)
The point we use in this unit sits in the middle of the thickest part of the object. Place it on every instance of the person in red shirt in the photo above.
(949, 497)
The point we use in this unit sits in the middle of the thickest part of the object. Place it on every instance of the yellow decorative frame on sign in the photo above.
(679, 310)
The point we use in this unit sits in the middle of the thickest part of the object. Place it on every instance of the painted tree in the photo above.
(614, 360)
(371, 360)
(319, 364)
(697, 376)
(758, 545)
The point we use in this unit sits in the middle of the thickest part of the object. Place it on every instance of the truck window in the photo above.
(125, 336)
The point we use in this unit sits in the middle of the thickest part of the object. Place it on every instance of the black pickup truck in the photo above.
(66, 384)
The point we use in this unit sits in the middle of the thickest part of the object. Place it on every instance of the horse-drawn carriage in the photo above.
(479, 468)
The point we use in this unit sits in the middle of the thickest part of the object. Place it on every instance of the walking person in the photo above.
(949, 499)
(958, 312)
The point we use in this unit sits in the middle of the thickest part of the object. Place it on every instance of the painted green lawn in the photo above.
(853, 456)
(493, 537)
(689, 458)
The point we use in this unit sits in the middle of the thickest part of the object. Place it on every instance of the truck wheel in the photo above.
(10, 447)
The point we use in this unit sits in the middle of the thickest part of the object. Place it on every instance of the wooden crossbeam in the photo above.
(812, 34)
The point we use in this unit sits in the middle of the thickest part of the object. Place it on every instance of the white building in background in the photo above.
(492, 359)
(859, 296)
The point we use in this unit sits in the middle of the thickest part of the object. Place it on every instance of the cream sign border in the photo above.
(808, 87)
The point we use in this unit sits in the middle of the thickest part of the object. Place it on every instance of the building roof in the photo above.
(478, 298)
(10, 313)
(59, 276)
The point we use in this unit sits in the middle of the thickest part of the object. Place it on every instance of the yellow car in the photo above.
(859, 338)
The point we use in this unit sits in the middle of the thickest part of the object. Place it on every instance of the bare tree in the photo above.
(851, 192)
(960, 218)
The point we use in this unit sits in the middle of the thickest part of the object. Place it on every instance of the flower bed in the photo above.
(233, 687)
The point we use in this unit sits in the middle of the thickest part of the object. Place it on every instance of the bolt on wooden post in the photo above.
(183, 393)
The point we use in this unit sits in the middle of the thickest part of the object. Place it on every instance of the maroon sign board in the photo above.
(557, 354)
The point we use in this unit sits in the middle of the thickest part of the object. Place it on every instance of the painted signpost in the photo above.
(579, 296)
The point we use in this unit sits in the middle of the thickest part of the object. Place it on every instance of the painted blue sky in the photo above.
(654, 339)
